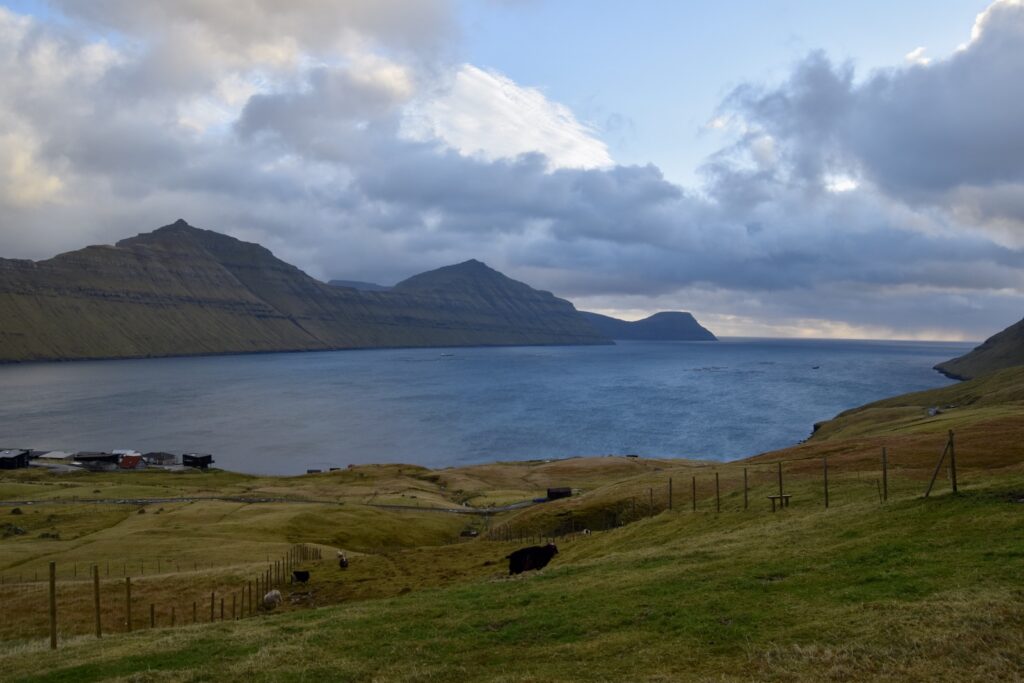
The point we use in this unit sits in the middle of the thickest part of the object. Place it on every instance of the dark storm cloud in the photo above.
(919, 133)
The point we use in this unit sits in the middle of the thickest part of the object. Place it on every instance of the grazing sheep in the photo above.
(533, 557)
(342, 560)
(272, 599)
(300, 576)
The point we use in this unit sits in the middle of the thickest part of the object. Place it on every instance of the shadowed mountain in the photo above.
(1002, 350)
(356, 284)
(665, 326)
(180, 290)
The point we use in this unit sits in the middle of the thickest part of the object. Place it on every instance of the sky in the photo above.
(778, 169)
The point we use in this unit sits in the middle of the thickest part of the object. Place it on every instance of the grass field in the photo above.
(908, 589)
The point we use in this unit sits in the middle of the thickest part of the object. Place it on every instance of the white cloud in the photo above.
(841, 183)
(916, 56)
(487, 114)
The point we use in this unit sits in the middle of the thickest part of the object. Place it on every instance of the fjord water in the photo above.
(284, 413)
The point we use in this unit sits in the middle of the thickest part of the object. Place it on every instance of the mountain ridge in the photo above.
(181, 290)
(663, 326)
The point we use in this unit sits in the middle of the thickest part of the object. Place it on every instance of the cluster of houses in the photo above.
(16, 458)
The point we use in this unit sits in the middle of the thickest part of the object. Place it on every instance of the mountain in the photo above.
(180, 290)
(356, 284)
(665, 326)
(1002, 350)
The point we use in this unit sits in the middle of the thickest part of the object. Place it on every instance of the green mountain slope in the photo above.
(181, 290)
(913, 590)
(1002, 350)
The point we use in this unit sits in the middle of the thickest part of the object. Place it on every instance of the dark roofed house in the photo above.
(200, 460)
(559, 492)
(160, 458)
(13, 458)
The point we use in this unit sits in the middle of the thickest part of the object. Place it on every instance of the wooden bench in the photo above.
(783, 500)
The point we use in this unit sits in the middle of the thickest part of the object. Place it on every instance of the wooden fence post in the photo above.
(152, 615)
(195, 614)
(96, 598)
(718, 496)
(746, 490)
(53, 605)
(128, 602)
(938, 466)
(952, 461)
(780, 483)
(670, 493)
(173, 616)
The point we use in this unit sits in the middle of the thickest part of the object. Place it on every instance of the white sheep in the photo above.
(272, 599)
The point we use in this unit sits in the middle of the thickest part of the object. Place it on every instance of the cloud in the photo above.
(276, 31)
(344, 138)
(916, 56)
(486, 113)
(948, 132)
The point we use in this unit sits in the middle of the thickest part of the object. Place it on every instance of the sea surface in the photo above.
(284, 413)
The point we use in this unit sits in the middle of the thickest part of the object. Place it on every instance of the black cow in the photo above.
(299, 576)
(534, 557)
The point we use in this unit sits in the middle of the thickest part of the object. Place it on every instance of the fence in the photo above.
(83, 570)
(812, 480)
(112, 602)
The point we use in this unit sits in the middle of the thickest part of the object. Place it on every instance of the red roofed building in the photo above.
(131, 462)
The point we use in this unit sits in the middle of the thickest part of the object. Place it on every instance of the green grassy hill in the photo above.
(1002, 350)
(912, 591)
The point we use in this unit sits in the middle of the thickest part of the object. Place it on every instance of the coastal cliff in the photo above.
(180, 290)
(664, 326)
(1002, 350)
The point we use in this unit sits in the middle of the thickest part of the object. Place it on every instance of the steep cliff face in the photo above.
(1002, 350)
(664, 326)
(181, 290)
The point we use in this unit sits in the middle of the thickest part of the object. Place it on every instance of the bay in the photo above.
(285, 413)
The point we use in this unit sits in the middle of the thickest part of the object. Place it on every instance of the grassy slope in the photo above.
(926, 591)
(914, 589)
(1002, 350)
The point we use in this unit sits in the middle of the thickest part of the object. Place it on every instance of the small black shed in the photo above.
(559, 492)
(200, 460)
(13, 458)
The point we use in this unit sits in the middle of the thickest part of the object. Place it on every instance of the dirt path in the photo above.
(247, 500)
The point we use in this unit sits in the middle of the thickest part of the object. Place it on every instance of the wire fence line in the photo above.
(121, 606)
(820, 480)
